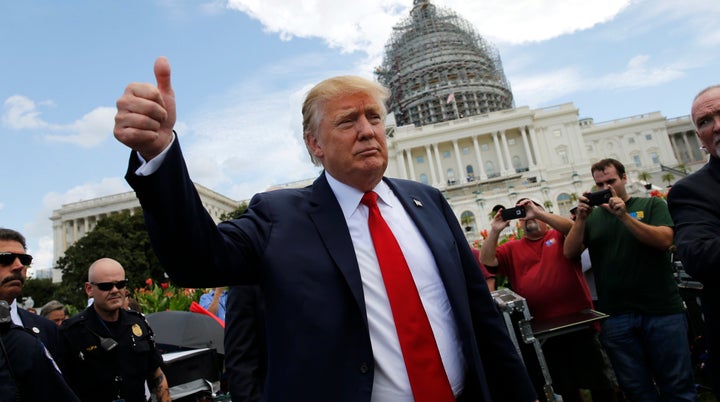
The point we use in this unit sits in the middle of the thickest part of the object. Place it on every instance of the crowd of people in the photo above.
(363, 288)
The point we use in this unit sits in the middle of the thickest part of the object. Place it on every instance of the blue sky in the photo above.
(241, 68)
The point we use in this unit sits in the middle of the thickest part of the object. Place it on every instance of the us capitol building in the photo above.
(453, 125)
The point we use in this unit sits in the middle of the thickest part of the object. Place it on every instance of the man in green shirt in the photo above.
(646, 335)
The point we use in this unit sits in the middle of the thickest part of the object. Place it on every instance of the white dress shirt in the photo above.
(14, 316)
(391, 381)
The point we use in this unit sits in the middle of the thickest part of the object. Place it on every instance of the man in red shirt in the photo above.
(553, 286)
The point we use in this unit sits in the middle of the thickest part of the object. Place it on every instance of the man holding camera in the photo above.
(629, 239)
(553, 286)
(107, 353)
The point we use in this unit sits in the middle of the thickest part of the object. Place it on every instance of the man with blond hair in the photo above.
(342, 263)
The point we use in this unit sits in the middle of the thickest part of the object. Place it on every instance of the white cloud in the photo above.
(42, 252)
(349, 26)
(638, 74)
(542, 89)
(531, 20)
(20, 112)
(89, 131)
(252, 137)
(366, 26)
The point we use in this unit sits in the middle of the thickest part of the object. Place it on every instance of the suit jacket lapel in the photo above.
(413, 204)
(418, 206)
(326, 214)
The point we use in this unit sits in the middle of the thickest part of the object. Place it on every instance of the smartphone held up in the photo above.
(598, 197)
(513, 213)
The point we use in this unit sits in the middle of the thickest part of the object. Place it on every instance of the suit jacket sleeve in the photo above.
(694, 204)
(216, 259)
(503, 369)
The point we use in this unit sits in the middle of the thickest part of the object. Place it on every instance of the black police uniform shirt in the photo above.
(27, 372)
(98, 372)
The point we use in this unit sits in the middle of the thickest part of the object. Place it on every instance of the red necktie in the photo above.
(428, 379)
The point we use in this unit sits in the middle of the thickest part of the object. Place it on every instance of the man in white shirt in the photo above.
(333, 333)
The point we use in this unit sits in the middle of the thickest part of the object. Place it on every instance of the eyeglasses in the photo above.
(106, 286)
(8, 258)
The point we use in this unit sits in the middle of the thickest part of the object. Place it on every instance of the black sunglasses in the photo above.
(8, 258)
(106, 286)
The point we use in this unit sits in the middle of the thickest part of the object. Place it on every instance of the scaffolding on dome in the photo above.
(438, 69)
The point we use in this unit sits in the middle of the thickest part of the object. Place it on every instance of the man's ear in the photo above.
(314, 146)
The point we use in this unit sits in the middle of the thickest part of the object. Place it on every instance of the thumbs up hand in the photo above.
(146, 114)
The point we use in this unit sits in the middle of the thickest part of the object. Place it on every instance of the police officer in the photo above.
(27, 372)
(107, 353)
(14, 262)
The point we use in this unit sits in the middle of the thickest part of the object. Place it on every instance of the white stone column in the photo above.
(433, 176)
(58, 239)
(509, 168)
(691, 155)
(528, 154)
(535, 144)
(481, 167)
(674, 143)
(75, 230)
(400, 158)
(442, 181)
(461, 174)
(411, 164)
(496, 143)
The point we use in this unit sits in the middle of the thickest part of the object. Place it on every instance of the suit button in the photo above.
(364, 368)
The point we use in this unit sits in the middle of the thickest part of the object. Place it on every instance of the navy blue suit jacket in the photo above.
(295, 243)
(245, 350)
(46, 330)
(694, 204)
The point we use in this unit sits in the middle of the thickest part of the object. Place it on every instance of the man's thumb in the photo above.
(162, 75)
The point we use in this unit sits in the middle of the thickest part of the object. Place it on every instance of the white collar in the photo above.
(349, 197)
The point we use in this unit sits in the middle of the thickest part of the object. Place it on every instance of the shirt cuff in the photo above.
(149, 167)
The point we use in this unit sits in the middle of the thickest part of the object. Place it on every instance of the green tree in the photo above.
(668, 178)
(236, 213)
(41, 291)
(122, 237)
(644, 176)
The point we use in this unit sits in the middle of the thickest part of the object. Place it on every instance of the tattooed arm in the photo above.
(158, 386)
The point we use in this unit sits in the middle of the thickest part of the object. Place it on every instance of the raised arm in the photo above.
(488, 255)
(574, 246)
(660, 237)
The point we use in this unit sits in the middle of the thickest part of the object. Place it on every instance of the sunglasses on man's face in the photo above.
(106, 286)
(7, 258)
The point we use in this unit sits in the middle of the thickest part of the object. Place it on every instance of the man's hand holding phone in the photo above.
(513, 213)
